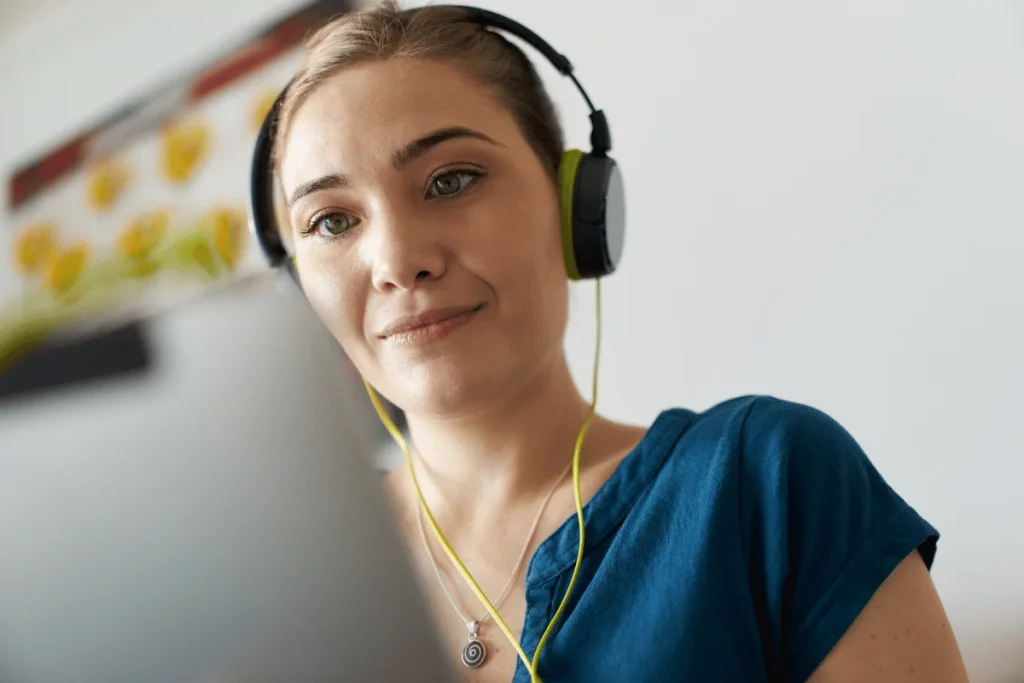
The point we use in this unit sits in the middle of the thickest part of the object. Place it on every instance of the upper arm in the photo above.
(901, 635)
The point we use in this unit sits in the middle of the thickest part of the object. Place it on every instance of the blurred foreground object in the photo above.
(217, 518)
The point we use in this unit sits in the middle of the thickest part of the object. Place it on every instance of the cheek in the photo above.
(529, 270)
(539, 241)
(525, 231)
(338, 299)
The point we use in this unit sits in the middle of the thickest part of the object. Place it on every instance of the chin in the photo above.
(447, 392)
(439, 389)
(449, 381)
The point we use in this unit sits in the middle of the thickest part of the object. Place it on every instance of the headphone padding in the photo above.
(567, 172)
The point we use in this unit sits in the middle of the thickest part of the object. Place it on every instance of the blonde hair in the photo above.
(386, 31)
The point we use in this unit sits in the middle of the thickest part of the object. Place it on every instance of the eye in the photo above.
(331, 224)
(451, 183)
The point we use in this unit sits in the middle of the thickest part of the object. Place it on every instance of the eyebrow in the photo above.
(333, 181)
(417, 148)
(400, 160)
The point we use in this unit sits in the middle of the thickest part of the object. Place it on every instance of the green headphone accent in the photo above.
(566, 189)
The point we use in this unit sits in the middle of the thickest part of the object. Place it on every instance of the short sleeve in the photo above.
(823, 529)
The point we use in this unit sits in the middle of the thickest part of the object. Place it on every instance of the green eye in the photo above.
(334, 224)
(451, 183)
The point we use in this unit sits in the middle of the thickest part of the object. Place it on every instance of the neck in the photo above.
(502, 453)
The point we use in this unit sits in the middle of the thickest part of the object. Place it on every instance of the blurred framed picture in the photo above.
(151, 205)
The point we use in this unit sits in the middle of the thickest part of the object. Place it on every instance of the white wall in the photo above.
(824, 204)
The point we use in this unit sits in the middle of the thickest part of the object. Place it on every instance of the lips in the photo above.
(429, 325)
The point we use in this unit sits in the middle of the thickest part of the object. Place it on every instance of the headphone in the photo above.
(590, 191)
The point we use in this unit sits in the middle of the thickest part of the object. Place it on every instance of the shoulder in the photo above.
(768, 420)
(815, 524)
(779, 460)
(765, 436)
(754, 414)
(760, 434)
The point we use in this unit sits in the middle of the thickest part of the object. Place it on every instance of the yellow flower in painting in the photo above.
(142, 234)
(204, 257)
(261, 107)
(143, 269)
(64, 267)
(106, 181)
(33, 246)
(229, 233)
(185, 146)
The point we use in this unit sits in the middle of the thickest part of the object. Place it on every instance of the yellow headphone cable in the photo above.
(396, 434)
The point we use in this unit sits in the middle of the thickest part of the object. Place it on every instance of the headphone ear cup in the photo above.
(567, 172)
(593, 219)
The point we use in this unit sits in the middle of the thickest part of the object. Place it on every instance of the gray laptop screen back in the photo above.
(217, 520)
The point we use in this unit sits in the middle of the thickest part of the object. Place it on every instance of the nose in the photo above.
(405, 252)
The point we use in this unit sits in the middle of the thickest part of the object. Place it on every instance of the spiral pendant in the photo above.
(474, 654)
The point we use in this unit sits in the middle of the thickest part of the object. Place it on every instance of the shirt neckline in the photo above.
(613, 500)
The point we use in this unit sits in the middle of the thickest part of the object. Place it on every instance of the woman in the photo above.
(753, 542)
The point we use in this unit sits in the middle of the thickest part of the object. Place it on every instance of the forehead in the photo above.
(364, 113)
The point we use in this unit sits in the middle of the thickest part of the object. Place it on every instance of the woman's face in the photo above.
(426, 234)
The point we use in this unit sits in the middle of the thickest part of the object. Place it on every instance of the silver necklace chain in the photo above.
(474, 653)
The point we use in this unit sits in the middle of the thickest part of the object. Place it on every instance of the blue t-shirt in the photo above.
(737, 544)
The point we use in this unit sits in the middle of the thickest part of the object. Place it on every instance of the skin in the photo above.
(387, 227)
